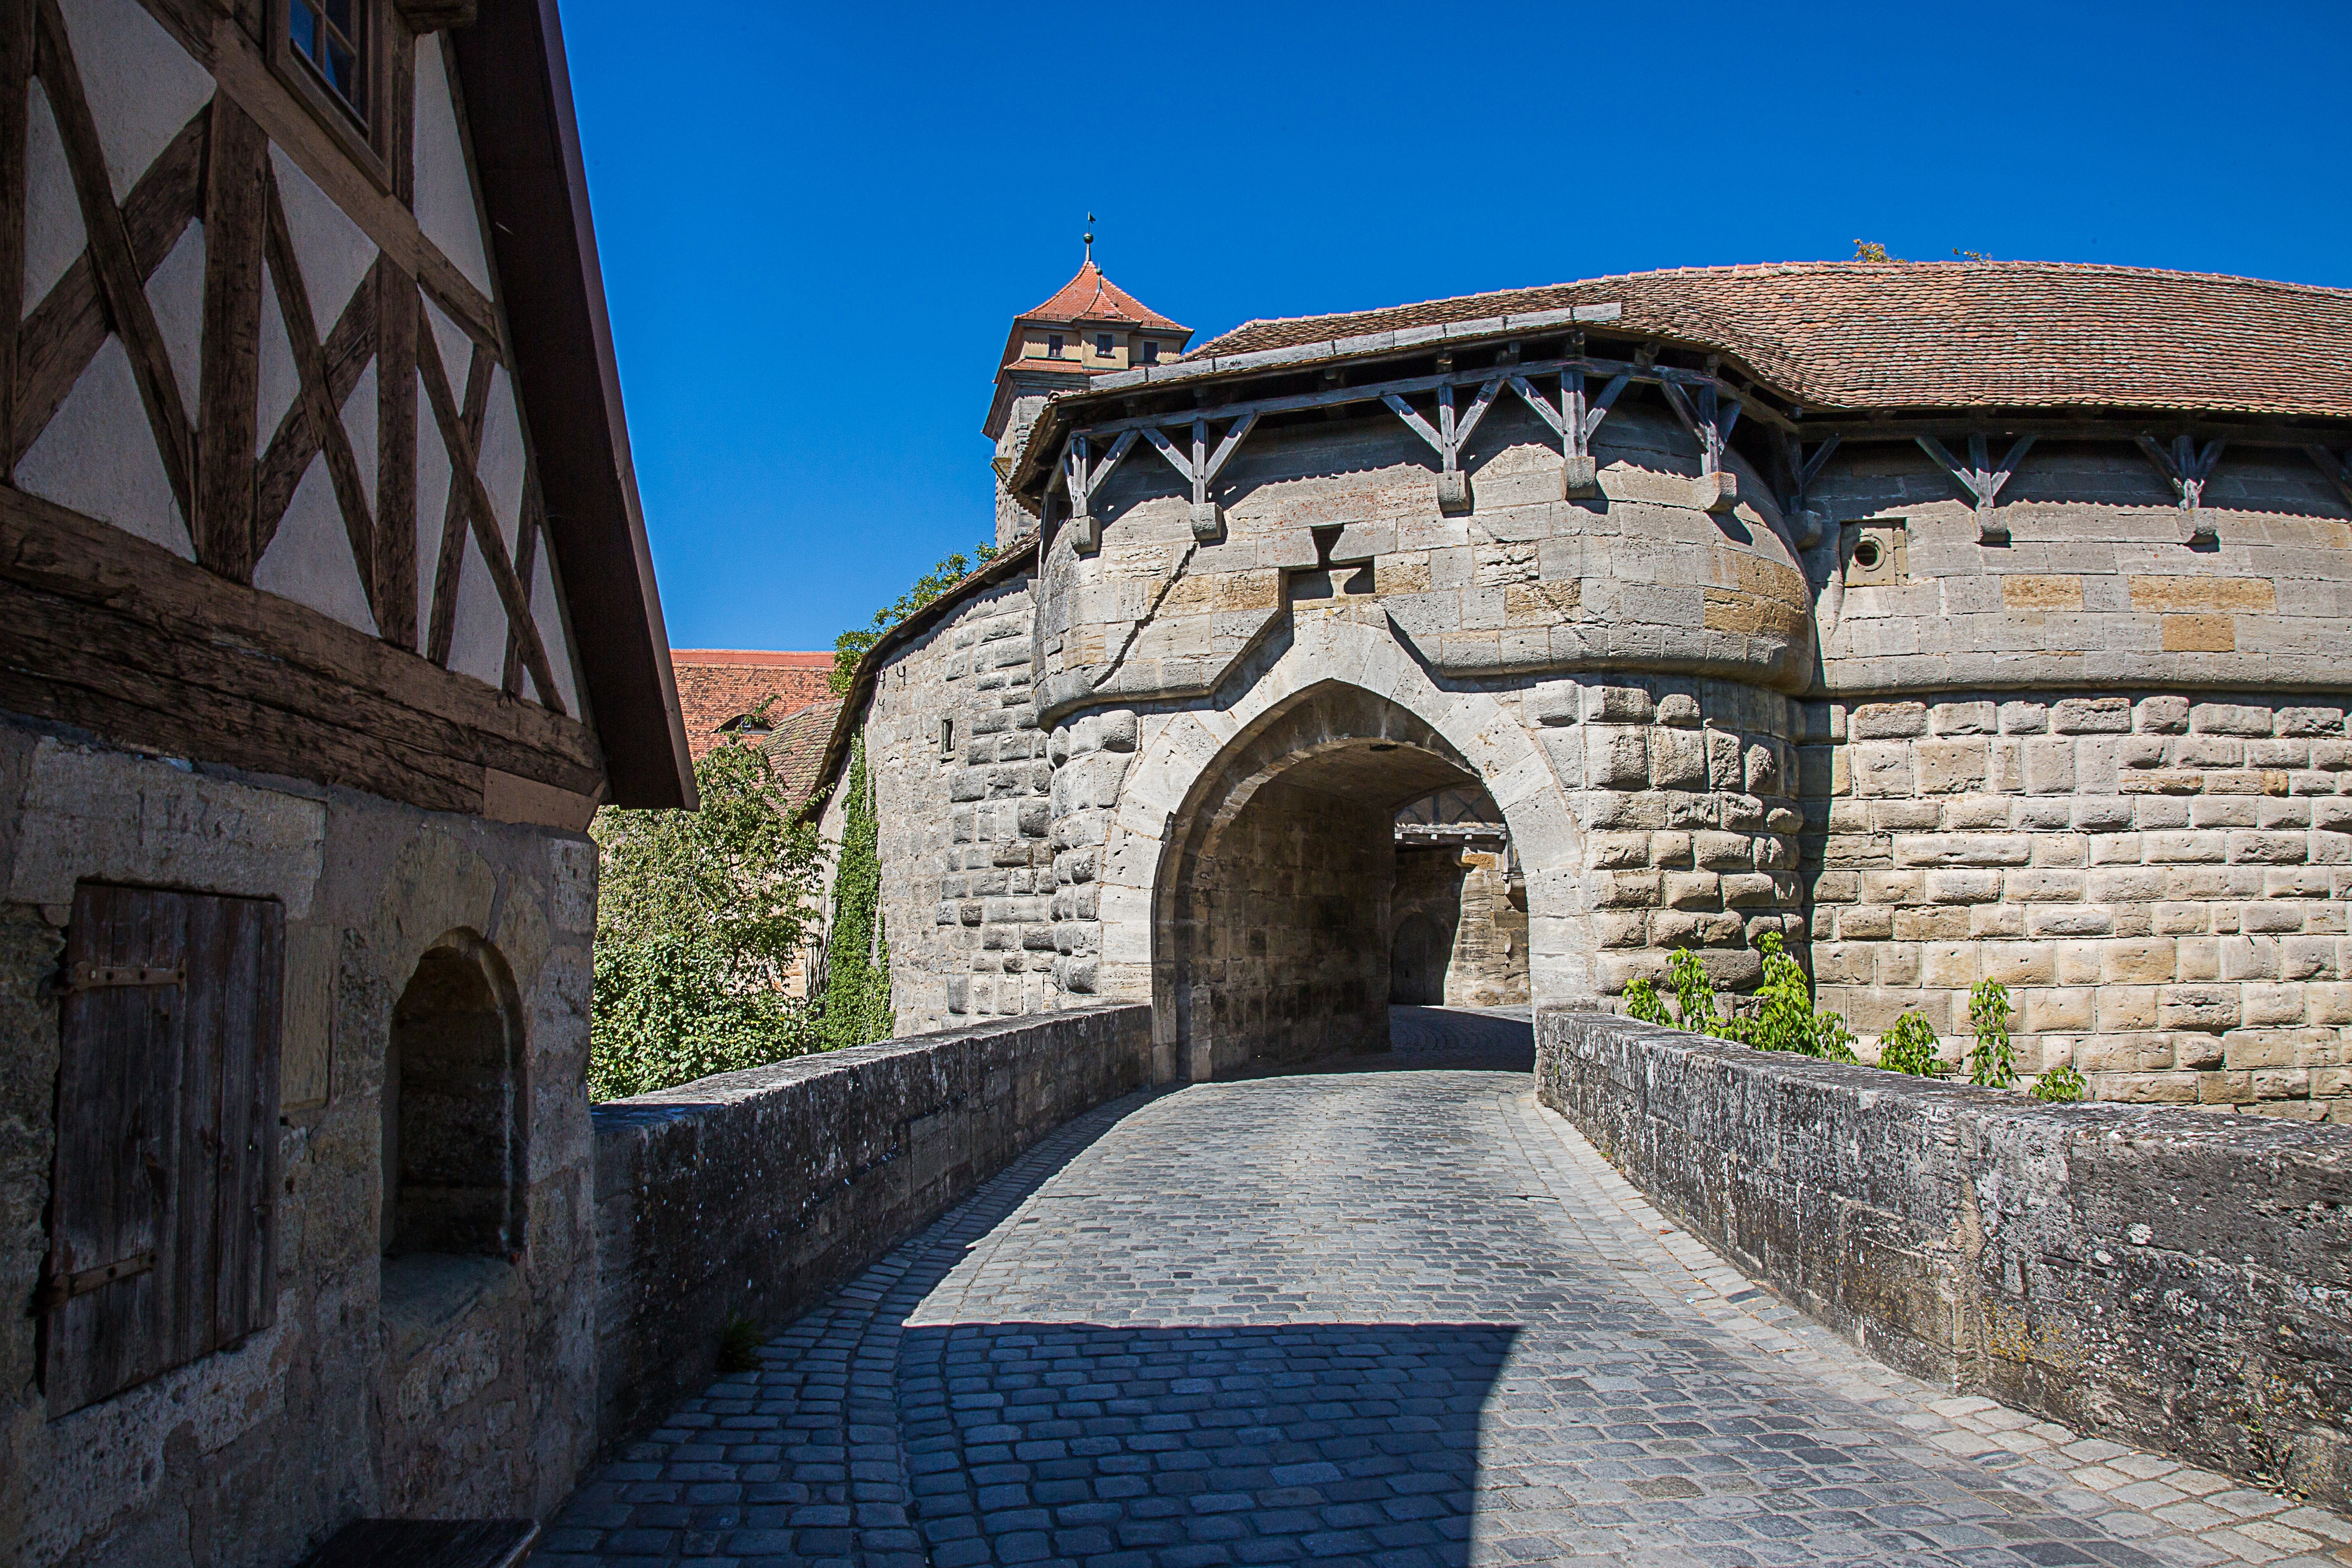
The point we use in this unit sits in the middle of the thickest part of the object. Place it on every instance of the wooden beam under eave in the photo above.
(2339, 472)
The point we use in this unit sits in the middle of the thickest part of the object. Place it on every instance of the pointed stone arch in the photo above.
(1339, 687)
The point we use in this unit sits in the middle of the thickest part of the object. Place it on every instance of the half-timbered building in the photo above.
(326, 621)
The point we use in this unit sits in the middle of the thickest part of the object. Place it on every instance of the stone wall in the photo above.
(1291, 945)
(1464, 896)
(2160, 882)
(2170, 1279)
(753, 1193)
(960, 781)
(423, 1386)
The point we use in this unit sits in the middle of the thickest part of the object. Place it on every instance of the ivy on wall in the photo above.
(857, 952)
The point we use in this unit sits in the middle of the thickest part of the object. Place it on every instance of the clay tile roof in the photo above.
(1889, 335)
(718, 686)
(1091, 297)
(796, 747)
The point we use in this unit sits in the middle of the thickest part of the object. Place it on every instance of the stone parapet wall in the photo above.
(2160, 882)
(752, 1194)
(2173, 1280)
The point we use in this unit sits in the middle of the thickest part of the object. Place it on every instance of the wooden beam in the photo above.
(1230, 445)
(122, 282)
(1487, 391)
(395, 453)
(1979, 479)
(67, 328)
(450, 561)
(1419, 425)
(464, 464)
(1166, 448)
(16, 51)
(165, 653)
(1382, 391)
(325, 410)
(2186, 467)
(229, 367)
(347, 352)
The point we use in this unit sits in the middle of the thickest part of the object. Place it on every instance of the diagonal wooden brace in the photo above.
(1981, 480)
(2186, 466)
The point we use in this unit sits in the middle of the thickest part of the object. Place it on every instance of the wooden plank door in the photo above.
(162, 1219)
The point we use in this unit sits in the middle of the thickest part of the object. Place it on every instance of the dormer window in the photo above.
(1053, 345)
(1150, 352)
(1102, 345)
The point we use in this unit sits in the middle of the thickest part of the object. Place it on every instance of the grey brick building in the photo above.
(1955, 621)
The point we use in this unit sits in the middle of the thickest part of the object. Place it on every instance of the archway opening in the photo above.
(1459, 909)
(453, 1102)
(1277, 942)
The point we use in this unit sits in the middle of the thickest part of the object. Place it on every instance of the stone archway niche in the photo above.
(1272, 940)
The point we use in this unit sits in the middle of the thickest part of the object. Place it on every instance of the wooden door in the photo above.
(161, 1223)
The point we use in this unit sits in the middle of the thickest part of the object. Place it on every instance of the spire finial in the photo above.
(1090, 237)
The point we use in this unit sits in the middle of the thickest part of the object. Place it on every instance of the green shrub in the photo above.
(1642, 1005)
(2061, 1083)
(698, 915)
(850, 647)
(1992, 1062)
(1910, 1046)
(1785, 1018)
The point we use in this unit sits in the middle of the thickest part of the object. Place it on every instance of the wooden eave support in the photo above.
(1806, 523)
(1574, 420)
(1701, 411)
(2186, 466)
(1200, 467)
(1980, 479)
(1082, 481)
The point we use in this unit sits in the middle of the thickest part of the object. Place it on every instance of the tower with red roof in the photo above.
(1090, 326)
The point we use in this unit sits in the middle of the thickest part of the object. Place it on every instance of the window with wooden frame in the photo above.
(1103, 349)
(1150, 352)
(161, 1223)
(332, 54)
(1053, 345)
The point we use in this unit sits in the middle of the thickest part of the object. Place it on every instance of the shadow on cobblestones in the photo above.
(1062, 1441)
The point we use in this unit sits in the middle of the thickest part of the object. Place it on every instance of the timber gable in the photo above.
(270, 453)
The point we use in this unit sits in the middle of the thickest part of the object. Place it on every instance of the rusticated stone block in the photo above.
(1888, 721)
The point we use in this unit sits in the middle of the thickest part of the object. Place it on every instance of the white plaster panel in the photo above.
(457, 352)
(432, 508)
(98, 456)
(108, 816)
(360, 424)
(309, 560)
(176, 293)
(547, 612)
(277, 383)
(446, 208)
(53, 232)
(502, 459)
(478, 643)
(331, 252)
(140, 84)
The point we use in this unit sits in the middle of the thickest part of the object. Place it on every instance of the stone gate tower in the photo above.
(1951, 622)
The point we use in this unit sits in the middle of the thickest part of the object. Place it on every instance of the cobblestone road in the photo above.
(1394, 1314)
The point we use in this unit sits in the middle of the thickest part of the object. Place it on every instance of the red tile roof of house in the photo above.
(797, 746)
(1888, 335)
(1091, 297)
(718, 686)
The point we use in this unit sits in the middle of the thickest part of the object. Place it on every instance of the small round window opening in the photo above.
(1868, 553)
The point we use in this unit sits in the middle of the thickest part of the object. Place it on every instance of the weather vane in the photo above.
(1090, 237)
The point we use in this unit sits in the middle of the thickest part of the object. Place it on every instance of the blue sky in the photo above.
(817, 222)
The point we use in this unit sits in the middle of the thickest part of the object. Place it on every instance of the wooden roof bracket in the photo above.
(1200, 467)
(2187, 466)
(1806, 523)
(1082, 481)
(1703, 411)
(1981, 480)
